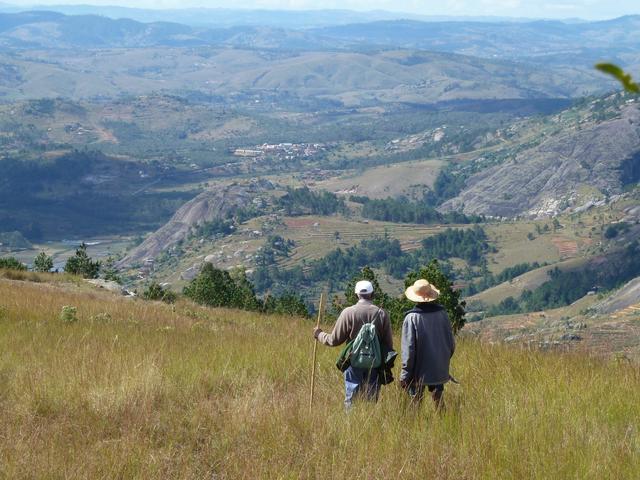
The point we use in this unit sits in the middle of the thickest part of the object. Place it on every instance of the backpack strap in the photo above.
(376, 317)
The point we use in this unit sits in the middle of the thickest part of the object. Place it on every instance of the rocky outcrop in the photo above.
(544, 180)
(218, 202)
(626, 297)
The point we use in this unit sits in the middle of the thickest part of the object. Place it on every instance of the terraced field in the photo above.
(316, 236)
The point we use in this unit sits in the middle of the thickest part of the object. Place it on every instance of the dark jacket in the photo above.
(427, 345)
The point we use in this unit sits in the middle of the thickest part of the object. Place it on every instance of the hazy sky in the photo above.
(590, 9)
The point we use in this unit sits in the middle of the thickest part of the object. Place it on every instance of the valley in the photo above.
(179, 186)
(283, 161)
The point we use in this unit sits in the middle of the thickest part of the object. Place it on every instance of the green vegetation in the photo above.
(134, 389)
(338, 267)
(396, 307)
(470, 245)
(11, 263)
(403, 210)
(81, 264)
(614, 229)
(220, 288)
(565, 287)
(109, 270)
(81, 193)
(217, 227)
(155, 291)
(43, 263)
(489, 280)
(275, 247)
(303, 201)
(620, 75)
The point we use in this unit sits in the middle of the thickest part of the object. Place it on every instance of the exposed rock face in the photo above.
(209, 205)
(627, 297)
(542, 180)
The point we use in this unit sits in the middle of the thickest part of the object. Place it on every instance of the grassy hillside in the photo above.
(353, 78)
(143, 390)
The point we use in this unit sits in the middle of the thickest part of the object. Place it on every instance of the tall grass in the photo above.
(137, 389)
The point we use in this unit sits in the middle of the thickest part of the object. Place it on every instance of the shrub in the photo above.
(69, 314)
(43, 263)
(155, 291)
(12, 263)
(81, 264)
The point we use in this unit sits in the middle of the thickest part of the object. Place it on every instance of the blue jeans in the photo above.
(360, 383)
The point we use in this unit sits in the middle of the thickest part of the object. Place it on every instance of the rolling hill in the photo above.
(350, 78)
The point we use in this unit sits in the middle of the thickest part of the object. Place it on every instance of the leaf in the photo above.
(623, 77)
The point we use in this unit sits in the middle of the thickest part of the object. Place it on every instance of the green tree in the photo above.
(397, 307)
(82, 264)
(43, 263)
(155, 291)
(243, 295)
(286, 304)
(381, 298)
(449, 297)
(211, 287)
(110, 272)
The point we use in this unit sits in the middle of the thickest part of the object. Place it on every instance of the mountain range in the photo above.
(554, 41)
(230, 17)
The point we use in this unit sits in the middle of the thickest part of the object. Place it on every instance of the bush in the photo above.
(43, 263)
(155, 291)
(69, 314)
(81, 264)
(286, 304)
(219, 288)
(216, 288)
(12, 263)
(110, 272)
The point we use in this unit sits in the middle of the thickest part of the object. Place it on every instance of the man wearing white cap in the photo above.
(427, 344)
(359, 382)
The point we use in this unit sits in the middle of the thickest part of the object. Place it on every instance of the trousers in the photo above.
(360, 383)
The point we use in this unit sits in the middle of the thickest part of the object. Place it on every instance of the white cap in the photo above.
(364, 286)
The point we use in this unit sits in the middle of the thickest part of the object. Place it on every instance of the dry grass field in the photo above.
(388, 180)
(136, 389)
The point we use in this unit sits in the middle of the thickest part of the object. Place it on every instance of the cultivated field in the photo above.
(135, 389)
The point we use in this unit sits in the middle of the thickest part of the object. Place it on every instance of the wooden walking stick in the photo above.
(315, 352)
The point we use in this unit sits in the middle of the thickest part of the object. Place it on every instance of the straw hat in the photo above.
(422, 291)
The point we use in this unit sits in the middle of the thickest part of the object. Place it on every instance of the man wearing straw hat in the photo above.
(427, 344)
(359, 382)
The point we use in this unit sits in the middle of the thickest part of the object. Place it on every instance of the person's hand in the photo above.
(316, 332)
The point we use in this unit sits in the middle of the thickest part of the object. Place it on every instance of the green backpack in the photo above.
(365, 352)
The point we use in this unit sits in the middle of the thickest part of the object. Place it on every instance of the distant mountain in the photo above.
(577, 43)
(228, 17)
(535, 39)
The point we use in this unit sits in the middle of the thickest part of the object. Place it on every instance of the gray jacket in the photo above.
(427, 345)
